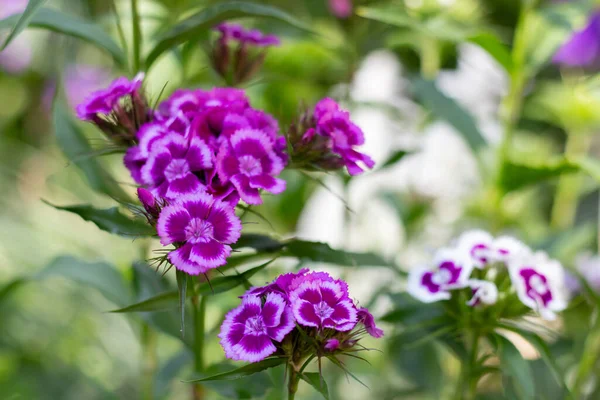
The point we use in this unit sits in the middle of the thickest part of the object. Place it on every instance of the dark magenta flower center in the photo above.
(199, 231)
(178, 168)
(250, 166)
(323, 310)
(255, 326)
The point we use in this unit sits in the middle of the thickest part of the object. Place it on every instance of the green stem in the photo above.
(149, 362)
(589, 357)
(512, 103)
(430, 57)
(294, 379)
(199, 305)
(569, 186)
(137, 37)
(466, 388)
(120, 30)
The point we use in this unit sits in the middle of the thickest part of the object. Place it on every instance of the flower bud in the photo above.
(150, 205)
(238, 54)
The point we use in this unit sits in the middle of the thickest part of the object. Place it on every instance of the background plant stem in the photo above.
(137, 37)
(569, 186)
(148, 339)
(199, 306)
(430, 57)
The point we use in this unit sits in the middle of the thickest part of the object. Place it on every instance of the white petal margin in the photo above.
(555, 275)
(506, 247)
(419, 291)
(484, 292)
(469, 239)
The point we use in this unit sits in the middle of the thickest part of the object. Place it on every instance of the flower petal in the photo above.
(272, 309)
(211, 254)
(268, 183)
(253, 348)
(180, 258)
(286, 325)
(227, 226)
(304, 313)
(184, 185)
(171, 224)
(247, 193)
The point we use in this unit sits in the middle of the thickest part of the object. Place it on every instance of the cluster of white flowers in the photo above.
(479, 262)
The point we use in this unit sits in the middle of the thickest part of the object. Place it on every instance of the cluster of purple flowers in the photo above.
(275, 318)
(202, 151)
(482, 263)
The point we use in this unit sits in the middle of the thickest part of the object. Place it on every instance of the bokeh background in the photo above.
(57, 340)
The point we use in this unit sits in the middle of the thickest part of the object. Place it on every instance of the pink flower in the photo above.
(323, 304)
(104, 101)
(202, 228)
(366, 318)
(248, 332)
(173, 164)
(327, 139)
(249, 161)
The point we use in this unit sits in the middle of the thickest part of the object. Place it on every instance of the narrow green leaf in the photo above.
(544, 350)
(495, 48)
(74, 144)
(245, 370)
(161, 302)
(110, 220)
(182, 287)
(315, 380)
(23, 20)
(201, 22)
(395, 16)
(322, 252)
(99, 275)
(56, 21)
(445, 108)
(516, 176)
(261, 243)
(171, 299)
(393, 159)
(515, 366)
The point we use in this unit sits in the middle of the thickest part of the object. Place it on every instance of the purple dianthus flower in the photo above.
(104, 101)
(248, 332)
(326, 139)
(173, 163)
(202, 228)
(323, 304)
(249, 161)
